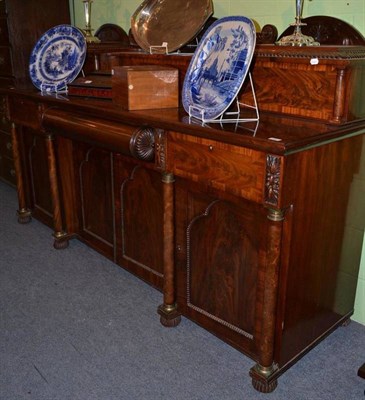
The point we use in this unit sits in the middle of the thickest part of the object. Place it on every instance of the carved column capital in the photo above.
(275, 215)
(272, 180)
(168, 177)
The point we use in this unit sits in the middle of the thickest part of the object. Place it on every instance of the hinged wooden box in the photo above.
(142, 87)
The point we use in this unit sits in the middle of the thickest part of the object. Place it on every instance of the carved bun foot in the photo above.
(169, 316)
(263, 379)
(264, 387)
(61, 241)
(24, 216)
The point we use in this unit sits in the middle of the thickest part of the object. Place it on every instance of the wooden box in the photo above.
(142, 87)
(94, 85)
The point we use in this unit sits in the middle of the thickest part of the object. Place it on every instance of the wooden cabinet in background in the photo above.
(23, 23)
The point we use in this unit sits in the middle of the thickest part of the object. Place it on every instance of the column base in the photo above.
(61, 240)
(24, 216)
(169, 316)
(263, 378)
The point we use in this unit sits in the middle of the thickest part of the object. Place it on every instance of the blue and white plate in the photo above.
(57, 58)
(219, 67)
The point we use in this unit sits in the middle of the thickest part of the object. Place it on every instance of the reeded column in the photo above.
(61, 238)
(169, 316)
(263, 373)
(24, 213)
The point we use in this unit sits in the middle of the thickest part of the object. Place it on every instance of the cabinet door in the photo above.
(139, 220)
(94, 168)
(219, 256)
(37, 176)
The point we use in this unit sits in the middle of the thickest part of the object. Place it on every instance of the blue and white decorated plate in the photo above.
(57, 58)
(219, 67)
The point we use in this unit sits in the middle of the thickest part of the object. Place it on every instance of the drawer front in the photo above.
(4, 34)
(25, 112)
(6, 147)
(5, 61)
(225, 167)
(7, 170)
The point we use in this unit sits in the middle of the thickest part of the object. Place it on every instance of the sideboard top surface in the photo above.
(277, 134)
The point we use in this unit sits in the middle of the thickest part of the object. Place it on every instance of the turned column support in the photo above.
(60, 236)
(24, 213)
(263, 373)
(169, 316)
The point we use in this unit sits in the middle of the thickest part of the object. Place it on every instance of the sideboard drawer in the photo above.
(229, 168)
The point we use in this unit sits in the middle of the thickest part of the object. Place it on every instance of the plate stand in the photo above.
(229, 116)
(162, 49)
(45, 89)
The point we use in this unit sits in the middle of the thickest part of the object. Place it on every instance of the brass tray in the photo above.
(168, 25)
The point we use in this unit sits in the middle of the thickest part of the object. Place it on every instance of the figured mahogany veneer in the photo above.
(228, 168)
(324, 83)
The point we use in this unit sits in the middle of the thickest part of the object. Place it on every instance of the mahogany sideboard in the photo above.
(248, 229)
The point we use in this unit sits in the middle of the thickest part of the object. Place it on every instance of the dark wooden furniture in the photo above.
(243, 227)
(21, 25)
(112, 33)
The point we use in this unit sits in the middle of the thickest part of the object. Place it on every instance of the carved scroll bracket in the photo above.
(273, 180)
(160, 148)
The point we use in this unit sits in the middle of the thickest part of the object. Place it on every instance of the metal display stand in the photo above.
(228, 115)
(52, 89)
(163, 49)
